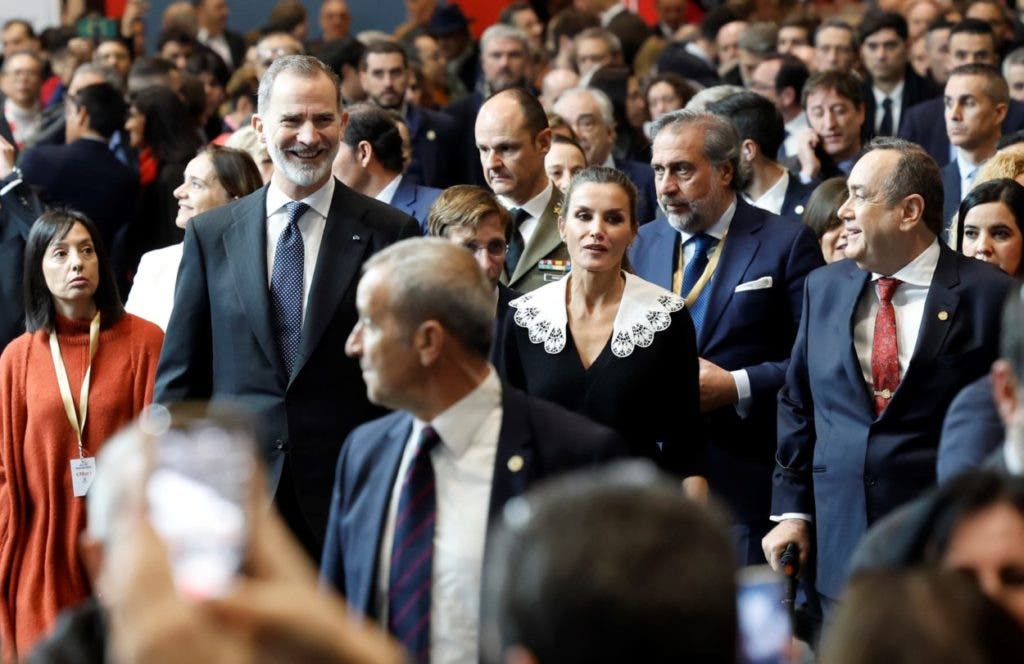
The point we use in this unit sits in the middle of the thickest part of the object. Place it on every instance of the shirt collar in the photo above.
(896, 95)
(458, 425)
(319, 200)
(535, 206)
(720, 227)
(609, 161)
(610, 13)
(386, 194)
(918, 272)
(773, 199)
(966, 168)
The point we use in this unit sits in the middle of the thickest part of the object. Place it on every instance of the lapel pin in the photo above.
(431, 135)
(515, 463)
(943, 315)
(799, 209)
(356, 238)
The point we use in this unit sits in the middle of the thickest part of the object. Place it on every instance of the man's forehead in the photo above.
(827, 96)
(883, 35)
(833, 34)
(685, 142)
(384, 60)
(502, 45)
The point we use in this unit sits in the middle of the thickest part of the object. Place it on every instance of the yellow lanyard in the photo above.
(77, 420)
(705, 277)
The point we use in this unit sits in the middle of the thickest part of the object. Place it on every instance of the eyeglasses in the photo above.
(494, 248)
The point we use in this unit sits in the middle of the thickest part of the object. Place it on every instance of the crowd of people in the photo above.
(538, 337)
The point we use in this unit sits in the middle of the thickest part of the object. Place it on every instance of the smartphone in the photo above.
(199, 495)
(765, 622)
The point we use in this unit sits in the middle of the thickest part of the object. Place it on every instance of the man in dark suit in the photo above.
(891, 86)
(266, 294)
(589, 112)
(976, 100)
(212, 16)
(416, 490)
(769, 185)
(385, 76)
(886, 341)
(370, 161)
(19, 208)
(747, 270)
(84, 173)
(624, 24)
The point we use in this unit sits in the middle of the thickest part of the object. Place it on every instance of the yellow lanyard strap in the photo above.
(77, 421)
(709, 271)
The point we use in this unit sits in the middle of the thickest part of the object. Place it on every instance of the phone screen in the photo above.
(766, 629)
(198, 494)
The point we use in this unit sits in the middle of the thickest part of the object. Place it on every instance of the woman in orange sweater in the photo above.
(84, 369)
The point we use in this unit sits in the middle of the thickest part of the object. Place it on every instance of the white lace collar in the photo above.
(644, 310)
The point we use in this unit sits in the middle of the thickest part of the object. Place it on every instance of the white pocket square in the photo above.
(756, 284)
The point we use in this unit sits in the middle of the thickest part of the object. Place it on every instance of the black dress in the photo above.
(643, 383)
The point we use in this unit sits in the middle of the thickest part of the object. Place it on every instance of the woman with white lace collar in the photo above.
(606, 343)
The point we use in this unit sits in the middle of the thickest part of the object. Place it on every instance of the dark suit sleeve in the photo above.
(792, 482)
(506, 358)
(186, 363)
(971, 431)
(332, 562)
(685, 447)
(804, 255)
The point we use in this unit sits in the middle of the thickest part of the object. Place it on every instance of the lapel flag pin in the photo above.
(515, 463)
(943, 315)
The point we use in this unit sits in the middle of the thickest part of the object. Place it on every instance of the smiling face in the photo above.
(71, 270)
(833, 244)
(301, 127)
(873, 230)
(597, 227)
(991, 234)
(692, 191)
(201, 190)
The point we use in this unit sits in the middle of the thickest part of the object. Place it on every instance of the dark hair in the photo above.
(875, 21)
(105, 105)
(150, 66)
(339, 52)
(973, 26)
(382, 47)
(715, 19)
(170, 131)
(793, 73)
(823, 204)
(565, 584)
(208, 62)
(940, 617)
(605, 175)
(755, 117)
(367, 122)
(614, 83)
(915, 173)
(535, 119)
(570, 22)
(939, 24)
(841, 25)
(964, 496)
(1003, 190)
(285, 16)
(235, 169)
(29, 30)
(562, 139)
(843, 84)
(174, 35)
(1013, 138)
(679, 85)
(53, 225)
(507, 15)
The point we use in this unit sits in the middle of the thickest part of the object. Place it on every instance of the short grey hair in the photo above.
(708, 96)
(1015, 57)
(610, 39)
(434, 279)
(721, 140)
(108, 74)
(759, 38)
(603, 102)
(304, 66)
(502, 31)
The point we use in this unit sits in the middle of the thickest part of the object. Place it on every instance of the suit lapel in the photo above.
(514, 462)
(545, 237)
(847, 296)
(405, 195)
(741, 245)
(341, 250)
(245, 245)
(939, 313)
(663, 253)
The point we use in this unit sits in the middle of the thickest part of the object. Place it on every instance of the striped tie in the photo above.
(412, 553)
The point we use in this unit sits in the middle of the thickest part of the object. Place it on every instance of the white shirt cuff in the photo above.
(742, 391)
(805, 179)
(791, 515)
(1014, 457)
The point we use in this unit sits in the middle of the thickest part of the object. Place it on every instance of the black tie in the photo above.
(516, 243)
(885, 129)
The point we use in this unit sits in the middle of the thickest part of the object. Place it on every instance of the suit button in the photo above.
(870, 480)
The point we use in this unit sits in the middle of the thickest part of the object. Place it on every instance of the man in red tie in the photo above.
(886, 340)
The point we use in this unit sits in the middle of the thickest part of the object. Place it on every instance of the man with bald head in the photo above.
(512, 137)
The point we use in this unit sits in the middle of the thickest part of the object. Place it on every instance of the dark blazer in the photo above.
(797, 194)
(971, 431)
(85, 175)
(549, 439)
(463, 113)
(751, 329)
(950, 193)
(866, 466)
(19, 208)
(433, 134)
(925, 125)
(220, 342)
(505, 295)
(916, 89)
(642, 176)
(415, 200)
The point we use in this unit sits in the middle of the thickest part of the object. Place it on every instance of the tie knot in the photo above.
(887, 103)
(702, 243)
(519, 215)
(886, 287)
(428, 440)
(294, 210)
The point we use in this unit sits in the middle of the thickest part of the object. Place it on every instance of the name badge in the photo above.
(83, 472)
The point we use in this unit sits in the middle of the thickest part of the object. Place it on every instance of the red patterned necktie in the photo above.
(885, 355)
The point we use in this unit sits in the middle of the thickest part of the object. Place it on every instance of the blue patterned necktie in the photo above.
(412, 553)
(702, 246)
(286, 286)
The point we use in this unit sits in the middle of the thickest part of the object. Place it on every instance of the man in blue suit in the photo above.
(745, 302)
(416, 490)
(369, 160)
(886, 341)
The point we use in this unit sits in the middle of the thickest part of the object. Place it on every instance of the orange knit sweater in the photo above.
(40, 519)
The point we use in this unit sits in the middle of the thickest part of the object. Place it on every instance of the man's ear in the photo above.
(913, 210)
(748, 150)
(257, 125)
(428, 340)
(364, 153)
(1004, 391)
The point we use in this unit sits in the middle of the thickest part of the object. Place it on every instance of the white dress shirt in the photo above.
(718, 231)
(152, 294)
(463, 472)
(968, 171)
(311, 225)
(908, 303)
(534, 207)
(218, 45)
(388, 192)
(794, 127)
(773, 199)
(897, 106)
